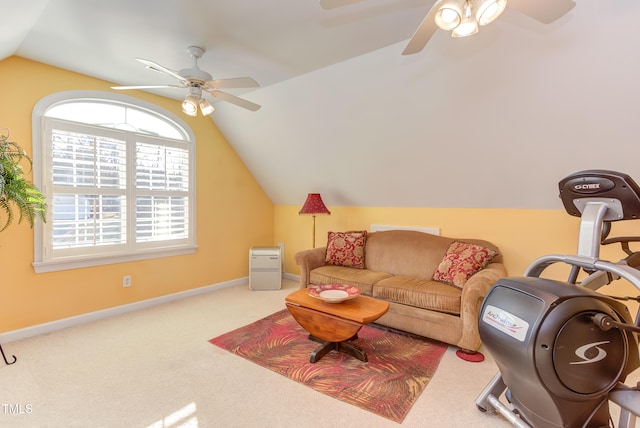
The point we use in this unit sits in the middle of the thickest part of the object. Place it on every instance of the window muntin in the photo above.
(114, 193)
(116, 115)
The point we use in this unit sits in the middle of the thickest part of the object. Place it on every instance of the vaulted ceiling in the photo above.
(494, 120)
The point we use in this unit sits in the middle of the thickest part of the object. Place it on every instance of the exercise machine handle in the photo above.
(629, 273)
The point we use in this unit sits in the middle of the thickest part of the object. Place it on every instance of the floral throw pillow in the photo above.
(346, 249)
(461, 261)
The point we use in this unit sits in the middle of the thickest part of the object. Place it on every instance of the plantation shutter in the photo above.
(89, 185)
(119, 177)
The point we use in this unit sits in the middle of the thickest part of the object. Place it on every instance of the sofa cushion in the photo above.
(346, 249)
(361, 278)
(405, 252)
(420, 293)
(461, 261)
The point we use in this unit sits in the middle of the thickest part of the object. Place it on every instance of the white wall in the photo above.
(494, 120)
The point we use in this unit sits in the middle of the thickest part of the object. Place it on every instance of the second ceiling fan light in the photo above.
(462, 17)
(205, 107)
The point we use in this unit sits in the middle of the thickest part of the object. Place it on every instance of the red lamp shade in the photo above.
(314, 205)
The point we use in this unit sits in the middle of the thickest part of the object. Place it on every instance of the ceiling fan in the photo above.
(463, 17)
(196, 81)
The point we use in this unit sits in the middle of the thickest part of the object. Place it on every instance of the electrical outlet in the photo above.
(126, 281)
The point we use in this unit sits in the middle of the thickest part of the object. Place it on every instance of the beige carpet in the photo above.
(156, 368)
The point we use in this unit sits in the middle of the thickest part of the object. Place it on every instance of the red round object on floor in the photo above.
(473, 357)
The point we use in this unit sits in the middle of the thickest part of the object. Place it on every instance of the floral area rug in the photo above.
(399, 365)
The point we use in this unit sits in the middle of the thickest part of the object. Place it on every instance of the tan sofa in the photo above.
(399, 266)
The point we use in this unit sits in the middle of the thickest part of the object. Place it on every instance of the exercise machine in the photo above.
(563, 349)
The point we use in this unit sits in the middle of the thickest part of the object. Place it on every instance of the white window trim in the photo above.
(39, 167)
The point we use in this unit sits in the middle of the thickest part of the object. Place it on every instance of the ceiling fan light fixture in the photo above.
(205, 107)
(190, 105)
(196, 80)
(449, 14)
(488, 10)
(468, 26)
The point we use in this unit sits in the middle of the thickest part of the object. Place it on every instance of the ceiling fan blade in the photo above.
(235, 100)
(332, 4)
(237, 82)
(124, 88)
(424, 32)
(157, 67)
(545, 11)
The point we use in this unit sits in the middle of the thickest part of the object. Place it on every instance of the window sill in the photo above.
(76, 263)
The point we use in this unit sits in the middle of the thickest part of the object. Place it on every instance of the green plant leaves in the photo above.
(15, 191)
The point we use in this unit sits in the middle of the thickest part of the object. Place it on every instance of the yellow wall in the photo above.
(233, 214)
(522, 235)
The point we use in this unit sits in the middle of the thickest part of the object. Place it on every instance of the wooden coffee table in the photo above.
(334, 325)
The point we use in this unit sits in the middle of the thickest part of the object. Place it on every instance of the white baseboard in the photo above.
(49, 327)
(291, 276)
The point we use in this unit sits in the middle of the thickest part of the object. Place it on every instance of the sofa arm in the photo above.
(308, 260)
(473, 294)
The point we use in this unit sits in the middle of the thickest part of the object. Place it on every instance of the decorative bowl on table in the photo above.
(333, 293)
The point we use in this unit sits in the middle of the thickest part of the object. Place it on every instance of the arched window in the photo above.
(119, 177)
